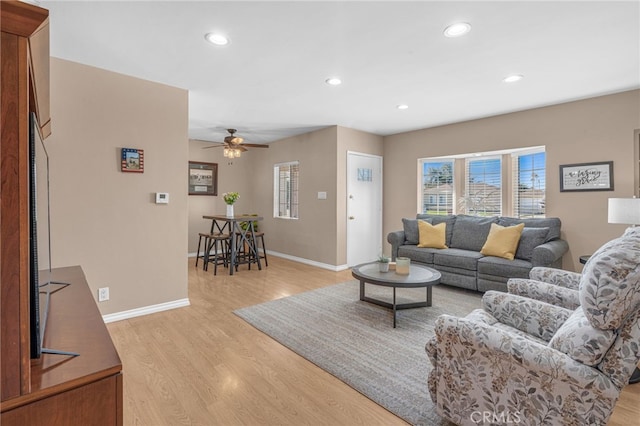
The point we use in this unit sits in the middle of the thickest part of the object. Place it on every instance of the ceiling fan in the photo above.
(234, 145)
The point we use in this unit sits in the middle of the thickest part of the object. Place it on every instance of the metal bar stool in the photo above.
(260, 236)
(223, 242)
(247, 255)
(202, 236)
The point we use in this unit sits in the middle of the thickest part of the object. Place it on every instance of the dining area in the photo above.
(232, 241)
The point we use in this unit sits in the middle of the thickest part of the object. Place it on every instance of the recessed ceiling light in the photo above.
(513, 78)
(457, 29)
(217, 39)
(402, 106)
(333, 81)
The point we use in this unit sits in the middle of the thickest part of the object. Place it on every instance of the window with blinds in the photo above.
(437, 187)
(483, 187)
(529, 183)
(285, 197)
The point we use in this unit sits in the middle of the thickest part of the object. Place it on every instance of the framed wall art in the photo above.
(203, 178)
(132, 160)
(586, 177)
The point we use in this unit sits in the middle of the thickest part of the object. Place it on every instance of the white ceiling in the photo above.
(269, 81)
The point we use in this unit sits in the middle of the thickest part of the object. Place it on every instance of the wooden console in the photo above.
(68, 390)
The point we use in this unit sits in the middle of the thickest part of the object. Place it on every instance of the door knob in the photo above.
(351, 217)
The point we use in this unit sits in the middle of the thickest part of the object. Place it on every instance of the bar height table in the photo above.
(220, 222)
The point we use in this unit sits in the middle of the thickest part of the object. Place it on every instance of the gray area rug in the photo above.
(355, 341)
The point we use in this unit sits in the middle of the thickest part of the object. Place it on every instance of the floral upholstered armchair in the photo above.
(526, 361)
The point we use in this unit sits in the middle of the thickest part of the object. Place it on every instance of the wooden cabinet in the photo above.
(55, 389)
(64, 390)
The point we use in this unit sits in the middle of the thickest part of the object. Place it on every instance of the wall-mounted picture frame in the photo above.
(203, 178)
(132, 160)
(586, 177)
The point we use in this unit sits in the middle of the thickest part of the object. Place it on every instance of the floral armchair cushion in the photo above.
(578, 339)
(545, 292)
(610, 283)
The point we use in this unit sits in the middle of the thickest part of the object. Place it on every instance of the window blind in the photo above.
(483, 187)
(529, 184)
(286, 176)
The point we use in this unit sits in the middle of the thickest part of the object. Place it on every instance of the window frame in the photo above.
(292, 192)
(516, 156)
(467, 176)
(434, 198)
(508, 181)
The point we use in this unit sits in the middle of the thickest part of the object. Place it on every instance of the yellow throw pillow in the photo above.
(433, 236)
(502, 241)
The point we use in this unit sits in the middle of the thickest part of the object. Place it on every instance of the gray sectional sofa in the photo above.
(462, 264)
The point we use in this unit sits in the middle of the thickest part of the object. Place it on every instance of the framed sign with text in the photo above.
(586, 177)
(203, 178)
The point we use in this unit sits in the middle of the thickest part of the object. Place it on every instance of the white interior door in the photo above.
(364, 208)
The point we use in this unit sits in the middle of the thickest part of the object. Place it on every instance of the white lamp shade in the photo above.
(624, 210)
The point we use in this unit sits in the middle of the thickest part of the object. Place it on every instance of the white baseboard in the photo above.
(145, 310)
(335, 268)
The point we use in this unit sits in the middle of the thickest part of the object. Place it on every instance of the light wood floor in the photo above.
(202, 365)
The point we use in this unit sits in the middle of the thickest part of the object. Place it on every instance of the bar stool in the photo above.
(202, 237)
(214, 241)
(260, 235)
(246, 254)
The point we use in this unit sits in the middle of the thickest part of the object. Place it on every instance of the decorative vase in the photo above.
(229, 210)
(383, 266)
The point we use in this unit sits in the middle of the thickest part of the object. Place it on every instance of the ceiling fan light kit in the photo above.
(232, 153)
(233, 145)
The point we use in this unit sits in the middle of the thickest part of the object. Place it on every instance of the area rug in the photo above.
(355, 341)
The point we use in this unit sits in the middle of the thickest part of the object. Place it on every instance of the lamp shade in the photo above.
(624, 210)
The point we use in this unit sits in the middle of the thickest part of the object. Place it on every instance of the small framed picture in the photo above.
(132, 160)
(586, 177)
(203, 178)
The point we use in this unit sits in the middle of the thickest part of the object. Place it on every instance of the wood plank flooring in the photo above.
(202, 365)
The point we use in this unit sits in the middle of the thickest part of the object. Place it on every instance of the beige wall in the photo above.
(597, 129)
(313, 235)
(103, 219)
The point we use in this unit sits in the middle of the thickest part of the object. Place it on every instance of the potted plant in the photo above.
(230, 198)
(383, 263)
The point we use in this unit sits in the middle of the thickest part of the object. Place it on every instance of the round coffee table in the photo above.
(419, 276)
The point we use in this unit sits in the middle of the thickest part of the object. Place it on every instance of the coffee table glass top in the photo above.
(418, 274)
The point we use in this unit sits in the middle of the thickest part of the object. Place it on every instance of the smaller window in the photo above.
(437, 186)
(529, 184)
(285, 193)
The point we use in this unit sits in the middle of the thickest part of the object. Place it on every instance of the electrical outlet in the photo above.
(103, 294)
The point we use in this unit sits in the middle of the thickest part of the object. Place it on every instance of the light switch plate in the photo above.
(322, 195)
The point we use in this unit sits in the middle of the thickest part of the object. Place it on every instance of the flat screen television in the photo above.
(34, 264)
(41, 285)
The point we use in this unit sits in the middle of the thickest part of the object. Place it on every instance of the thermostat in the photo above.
(162, 198)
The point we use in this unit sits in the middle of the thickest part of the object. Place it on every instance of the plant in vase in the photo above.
(230, 198)
(383, 263)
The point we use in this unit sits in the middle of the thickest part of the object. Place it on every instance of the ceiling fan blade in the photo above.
(217, 145)
(255, 145)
